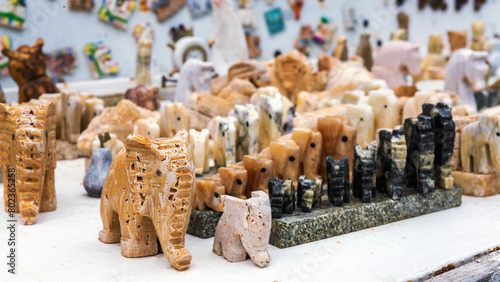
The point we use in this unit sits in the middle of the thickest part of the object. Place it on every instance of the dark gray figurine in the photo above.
(391, 161)
(420, 154)
(282, 194)
(98, 169)
(337, 177)
(363, 175)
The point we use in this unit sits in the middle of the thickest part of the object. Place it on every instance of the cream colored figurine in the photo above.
(244, 228)
(198, 142)
(174, 117)
(433, 65)
(147, 127)
(28, 159)
(479, 41)
(148, 195)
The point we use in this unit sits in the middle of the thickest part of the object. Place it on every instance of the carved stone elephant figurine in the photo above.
(207, 194)
(27, 158)
(245, 227)
(148, 194)
(174, 117)
(480, 145)
(385, 107)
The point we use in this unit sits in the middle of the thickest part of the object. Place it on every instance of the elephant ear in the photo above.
(143, 162)
(6, 134)
(487, 124)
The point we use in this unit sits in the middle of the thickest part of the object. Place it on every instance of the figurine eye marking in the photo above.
(313, 145)
(385, 106)
(361, 119)
(158, 172)
(179, 118)
(291, 158)
(498, 134)
(263, 170)
(216, 195)
(345, 139)
(238, 181)
(270, 116)
(247, 124)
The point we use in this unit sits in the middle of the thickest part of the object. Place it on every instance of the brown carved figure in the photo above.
(365, 50)
(293, 74)
(341, 49)
(27, 66)
(2, 96)
(144, 96)
(457, 39)
(28, 159)
(148, 194)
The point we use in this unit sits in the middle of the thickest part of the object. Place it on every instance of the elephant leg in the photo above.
(49, 202)
(256, 250)
(138, 237)
(110, 232)
(7, 194)
(230, 248)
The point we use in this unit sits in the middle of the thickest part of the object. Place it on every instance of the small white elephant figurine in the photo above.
(480, 145)
(245, 227)
(195, 76)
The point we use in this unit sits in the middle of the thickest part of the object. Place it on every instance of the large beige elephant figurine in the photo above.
(27, 158)
(148, 194)
(480, 145)
(245, 227)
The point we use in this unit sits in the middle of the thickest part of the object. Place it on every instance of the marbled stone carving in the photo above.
(293, 74)
(460, 123)
(480, 145)
(207, 193)
(174, 117)
(28, 159)
(311, 147)
(285, 156)
(144, 96)
(260, 169)
(420, 145)
(245, 227)
(248, 130)
(277, 194)
(27, 66)
(198, 142)
(225, 141)
(363, 175)
(305, 194)
(391, 161)
(444, 137)
(270, 119)
(337, 177)
(234, 180)
(148, 195)
(147, 127)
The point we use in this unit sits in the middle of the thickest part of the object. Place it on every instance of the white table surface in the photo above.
(63, 246)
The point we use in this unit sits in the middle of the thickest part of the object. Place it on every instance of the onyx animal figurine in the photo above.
(173, 118)
(337, 178)
(309, 192)
(260, 169)
(457, 39)
(207, 194)
(341, 51)
(28, 159)
(244, 228)
(148, 195)
(248, 130)
(199, 146)
(224, 151)
(292, 74)
(391, 161)
(419, 136)
(311, 147)
(234, 180)
(444, 138)
(144, 96)
(27, 67)
(363, 174)
(282, 193)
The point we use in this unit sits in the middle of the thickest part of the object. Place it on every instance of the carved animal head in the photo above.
(489, 126)
(26, 63)
(286, 158)
(163, 168)
(385, 107)
(476, 69)
(412, 59)
(362, 118)
(295, 72)
(260, 169)
(208, 193)
(174, 117)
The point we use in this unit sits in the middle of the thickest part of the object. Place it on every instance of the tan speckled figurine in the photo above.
(28, 159)
(148, 193)
(245, 227)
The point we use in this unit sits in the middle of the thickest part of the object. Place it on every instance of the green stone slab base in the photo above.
(328, 221)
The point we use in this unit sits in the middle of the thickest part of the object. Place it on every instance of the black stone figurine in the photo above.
(420, 154)
(391, 160)
(282, 195)
(444, 138)
(363, 175)
(337, 176)
(305, 188)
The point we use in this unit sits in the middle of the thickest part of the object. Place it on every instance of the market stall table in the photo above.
(62, 245)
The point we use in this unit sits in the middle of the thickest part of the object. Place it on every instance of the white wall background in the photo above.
(60, 27)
